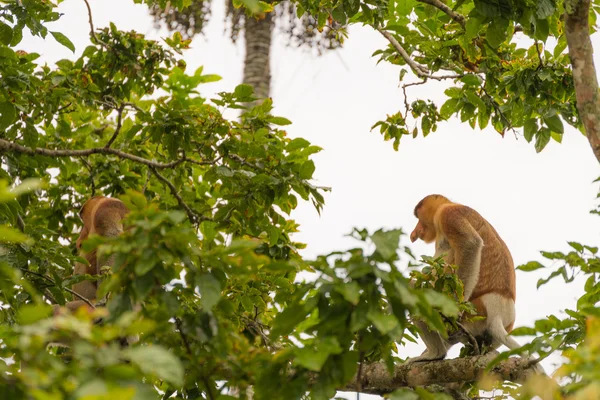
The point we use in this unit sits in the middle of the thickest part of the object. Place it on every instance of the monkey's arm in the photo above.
(467, 246)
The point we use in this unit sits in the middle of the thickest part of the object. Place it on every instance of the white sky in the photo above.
(535, 201)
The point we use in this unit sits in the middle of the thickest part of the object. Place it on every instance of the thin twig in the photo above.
(5, 145)
(118, 128)
(418, 69)
(91, 22)
(444, 8)
(188, 348)
(92, 174)
(20, 223)
(89, 303)
(193, 217)
(541, 64)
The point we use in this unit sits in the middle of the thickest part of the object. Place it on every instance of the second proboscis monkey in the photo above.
(101, 216)
(485, 266)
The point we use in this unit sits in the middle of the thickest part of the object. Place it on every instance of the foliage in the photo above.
(506, 60)
(190, 18)
(206, 276)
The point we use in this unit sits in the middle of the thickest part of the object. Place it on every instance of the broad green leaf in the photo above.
(350, 291)
(10, 235)
(6, 34)
(554, 123)
(32, 313)
(8, 114)
(472, 80)
(542, 139)
(210, 290)
(279, 121)
(403, 394)
(62, 39)
(384, 323)
(497, 32)
(386, 242)
(530, 266)
(157, 361)
(448, 108)
(530, 128)
(243, 90)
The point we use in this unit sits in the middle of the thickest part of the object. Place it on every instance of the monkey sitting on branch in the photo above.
(485, 267)
(101, 216)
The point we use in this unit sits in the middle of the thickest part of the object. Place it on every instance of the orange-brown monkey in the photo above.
(485, 266)
(101, 216)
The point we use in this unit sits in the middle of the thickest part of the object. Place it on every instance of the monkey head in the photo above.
(425, 211)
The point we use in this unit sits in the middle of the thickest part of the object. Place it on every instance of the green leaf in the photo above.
(542, 139)
(530, 128)
(530, 266)
(448, 108)
(453, 92)
(210, 290)
(386, 242)
(307, 169)
(243, 91)
(384, 323)
(8, 114)
(314, 358)
(286, 321)
(545, 8)
(497, 32)
(472, 80)
(403, 394)
(10, 235)
(296, 144)
(6, 34)
(31, 313)
(62, 39)
(554, 123)
(576, 246)
(350, 291)
(157, 361)
(279, 121)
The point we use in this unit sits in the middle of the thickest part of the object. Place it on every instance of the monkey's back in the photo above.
(497, 271)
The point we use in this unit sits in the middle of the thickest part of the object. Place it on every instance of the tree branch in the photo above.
(89, 303)
(577, 33)
(192, 215)
(118, 128)
(444, 8)
(418, 69)
(5, 145)
(375, 378)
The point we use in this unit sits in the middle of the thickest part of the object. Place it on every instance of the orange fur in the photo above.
(485, 266)
(101, 216)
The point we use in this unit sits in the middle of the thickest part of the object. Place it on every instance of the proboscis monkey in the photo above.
(485, 267)
(101, 216)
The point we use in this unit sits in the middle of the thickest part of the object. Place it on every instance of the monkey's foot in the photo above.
(425, 357)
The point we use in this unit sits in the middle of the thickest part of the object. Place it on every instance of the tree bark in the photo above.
(257, 70)
(577, 32)
(375, 378)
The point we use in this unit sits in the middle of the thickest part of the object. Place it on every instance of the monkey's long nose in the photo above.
(413, 236)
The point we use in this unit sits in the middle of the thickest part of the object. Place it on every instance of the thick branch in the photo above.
(5, 145)
(375, 378)
(577, 32)
(444, 8)
(418, 69)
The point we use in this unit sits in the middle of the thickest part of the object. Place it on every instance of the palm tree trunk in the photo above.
(257, 70)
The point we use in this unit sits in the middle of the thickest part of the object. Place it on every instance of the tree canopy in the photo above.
(206, 273)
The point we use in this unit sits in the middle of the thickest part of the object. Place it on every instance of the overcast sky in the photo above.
(535, 201)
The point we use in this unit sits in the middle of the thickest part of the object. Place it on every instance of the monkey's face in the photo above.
(424, 231)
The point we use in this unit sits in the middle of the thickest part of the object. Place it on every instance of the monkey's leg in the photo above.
(437, 347)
